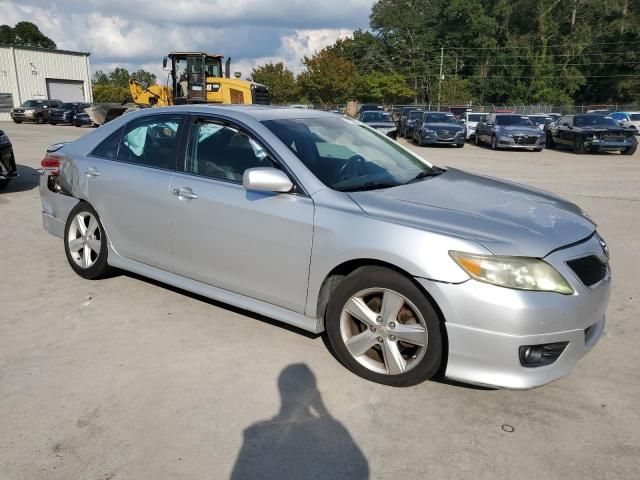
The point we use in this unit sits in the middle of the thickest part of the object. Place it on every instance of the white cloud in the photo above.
(137, 34)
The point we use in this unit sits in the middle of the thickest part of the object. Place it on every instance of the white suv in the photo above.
(470, 120)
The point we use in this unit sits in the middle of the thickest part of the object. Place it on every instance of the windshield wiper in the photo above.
(368, 186)
(434, 172)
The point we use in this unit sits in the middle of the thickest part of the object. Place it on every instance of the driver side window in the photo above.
(223, 152)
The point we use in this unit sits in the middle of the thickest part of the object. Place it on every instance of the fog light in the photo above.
(541, 355)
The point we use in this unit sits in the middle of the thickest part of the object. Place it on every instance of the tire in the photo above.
(476, 139)
(459, 145)
(632, 149)
(578, 146)
(39, 119)
(17, 121)
(550, 142)
(4, 183)
(414, 318)
(494, 142)
(537, 150)
(77, 251)
(53, 123)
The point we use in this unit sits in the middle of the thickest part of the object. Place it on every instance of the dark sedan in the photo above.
(509, 130)
(411, 123)
(66, 112)
(439, 128)
(7, 161)
(381, 121)
(591, 132)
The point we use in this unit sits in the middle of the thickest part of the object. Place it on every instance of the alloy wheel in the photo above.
(84, 240)
(383, 331)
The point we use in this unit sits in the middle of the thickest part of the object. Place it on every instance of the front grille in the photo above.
(260, 95)
(445, 134)
(590, 270)
(525, 140)
(614, 138)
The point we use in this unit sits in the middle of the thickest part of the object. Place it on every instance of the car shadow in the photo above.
(302, 440)
(27, 179)
(225, 306)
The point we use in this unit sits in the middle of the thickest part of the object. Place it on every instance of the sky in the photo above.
(138, 33)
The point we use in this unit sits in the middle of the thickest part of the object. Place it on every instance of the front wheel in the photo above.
(632, 149)
(39, 119)
(4, 183)
(85, 242)
(494, 142)
(17, 121)
(383, 328)
(476, 139)
(550, 142)
(578, 145)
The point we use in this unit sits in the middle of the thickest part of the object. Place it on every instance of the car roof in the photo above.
(257, 112)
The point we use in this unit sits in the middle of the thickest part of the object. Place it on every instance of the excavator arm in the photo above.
(154, 95)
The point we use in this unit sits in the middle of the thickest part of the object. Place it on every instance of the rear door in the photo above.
(130, 177)
(254, 243)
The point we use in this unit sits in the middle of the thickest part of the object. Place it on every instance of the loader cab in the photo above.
(189, 73)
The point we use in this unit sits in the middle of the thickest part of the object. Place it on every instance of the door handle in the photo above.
(92, 172)
(184, 192)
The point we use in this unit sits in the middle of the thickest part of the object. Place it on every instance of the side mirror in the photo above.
(164, 62)
(266, 179)
(463, 121)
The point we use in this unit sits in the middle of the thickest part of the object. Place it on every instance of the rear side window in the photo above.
(152, 141)
(109, 148)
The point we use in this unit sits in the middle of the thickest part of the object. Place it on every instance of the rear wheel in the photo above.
(476, 139)
(85, 242)
(39, 119)
(383, 328)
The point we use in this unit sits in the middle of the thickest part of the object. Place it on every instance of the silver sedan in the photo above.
(321, 222)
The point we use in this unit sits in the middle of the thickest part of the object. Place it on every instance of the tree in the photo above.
(25, 34)
(146, 79)
(383, 88)
(114, 86)
(280, 81)
(328, 78)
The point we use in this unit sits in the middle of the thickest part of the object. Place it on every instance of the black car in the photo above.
(439, 128)
(591, 132)
(66, 112)
(401, 119)
(7, 161)
(411, 122)
(509, 130)
(82, 119)
(381, 121)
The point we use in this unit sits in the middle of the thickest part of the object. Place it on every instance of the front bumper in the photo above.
(511, 142)
(486, 324)
(23, 116)
(433, 138)
(602, 145)
(60, 118)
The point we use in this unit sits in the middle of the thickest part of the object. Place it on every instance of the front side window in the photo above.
(32, 103)
(223, 152)
(347, 156)
(634, 117)
(152, 141)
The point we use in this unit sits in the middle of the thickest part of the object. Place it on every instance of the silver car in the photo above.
(323, 223)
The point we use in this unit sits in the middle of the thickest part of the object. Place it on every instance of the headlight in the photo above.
(522, 273)
(30, 110)
(426, 130)
(384, 130)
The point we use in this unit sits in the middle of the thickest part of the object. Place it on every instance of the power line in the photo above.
(524, 47)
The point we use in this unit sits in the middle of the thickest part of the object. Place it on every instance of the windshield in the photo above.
(439, 118)
(347, 156)
(593, 120)
(634, 117)
(513, 120)
(375, 117)
(32, 103)
(476, 117)
(541, 120)
(415, 115)
(67, 106)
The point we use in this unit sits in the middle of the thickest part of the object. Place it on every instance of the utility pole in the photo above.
(440, 77)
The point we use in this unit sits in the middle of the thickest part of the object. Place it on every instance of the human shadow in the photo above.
(302, 441)
(28, 178)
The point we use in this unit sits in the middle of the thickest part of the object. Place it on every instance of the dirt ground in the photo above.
(125, 378)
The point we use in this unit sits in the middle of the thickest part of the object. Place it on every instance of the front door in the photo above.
(253, 243)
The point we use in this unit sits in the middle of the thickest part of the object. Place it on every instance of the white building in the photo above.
(36, 73)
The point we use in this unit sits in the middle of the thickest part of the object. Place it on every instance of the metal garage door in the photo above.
(65, 90)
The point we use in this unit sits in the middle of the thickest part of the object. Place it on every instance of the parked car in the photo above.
(540, 120)
(412, 122)
(7, 161)
(554, 116)
(66, 112)
(34, 111)
(470, 121)
(599, 111)
(403, 116)
(591, 132)
(439, 128)
(367, 107)
(509, 130)
(381, 121)
(413, 268)
(627, 119)
(83, 119)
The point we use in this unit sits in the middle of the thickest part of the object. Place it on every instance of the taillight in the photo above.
(50, 165)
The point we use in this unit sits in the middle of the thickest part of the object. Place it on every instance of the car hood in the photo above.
(518, 129)
(381, 124)
(505, 217)
(61, 111)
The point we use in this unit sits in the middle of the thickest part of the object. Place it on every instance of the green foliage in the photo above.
(114, 86)
(329, 79)
(25, 34)
(385, 88)
(281, 82)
